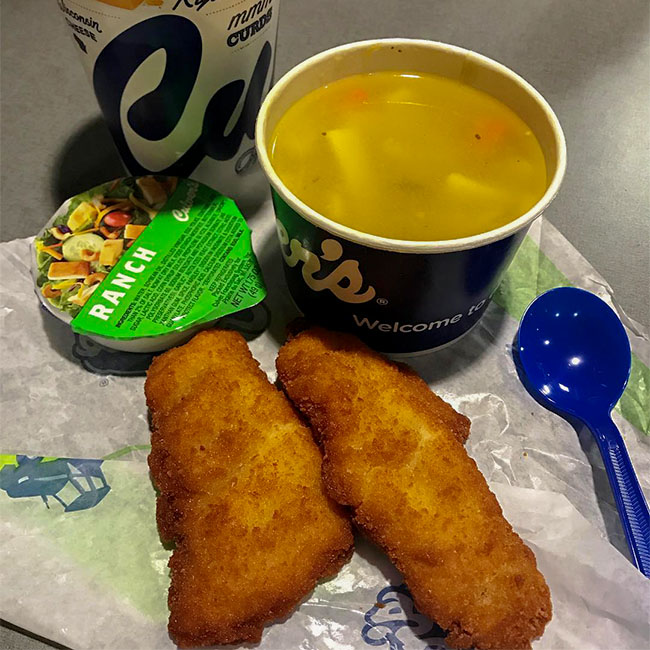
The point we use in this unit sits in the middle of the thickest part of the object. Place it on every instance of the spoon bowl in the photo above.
(576, 358)
(575, 351)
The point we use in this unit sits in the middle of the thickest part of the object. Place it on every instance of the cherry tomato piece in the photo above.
(117, 219)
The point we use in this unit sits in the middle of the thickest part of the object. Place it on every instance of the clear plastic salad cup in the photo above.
(141, 263)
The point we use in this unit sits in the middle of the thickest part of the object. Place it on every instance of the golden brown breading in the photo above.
(393, 453)
(240, 493)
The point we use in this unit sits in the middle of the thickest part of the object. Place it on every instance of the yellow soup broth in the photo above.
(409, 156)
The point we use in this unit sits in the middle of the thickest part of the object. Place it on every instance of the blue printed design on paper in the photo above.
(37, 477)
(394, 612)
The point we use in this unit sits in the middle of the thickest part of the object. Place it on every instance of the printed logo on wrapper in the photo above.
(75, 483)
(392, 614)
(180, 82)
(192, 264)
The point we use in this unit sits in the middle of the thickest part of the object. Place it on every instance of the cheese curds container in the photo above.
(180, 83)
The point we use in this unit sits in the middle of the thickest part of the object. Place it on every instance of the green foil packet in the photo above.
(191, 262)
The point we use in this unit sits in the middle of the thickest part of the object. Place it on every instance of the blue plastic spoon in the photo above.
(576, 359)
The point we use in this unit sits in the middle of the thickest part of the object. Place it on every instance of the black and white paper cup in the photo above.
(401, 297)
(180, 82)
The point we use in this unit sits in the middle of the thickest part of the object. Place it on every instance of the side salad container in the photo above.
(141, 263)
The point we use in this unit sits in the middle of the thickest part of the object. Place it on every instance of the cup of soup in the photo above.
(404, 174)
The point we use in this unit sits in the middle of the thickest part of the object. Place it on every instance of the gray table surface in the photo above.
(591, 60)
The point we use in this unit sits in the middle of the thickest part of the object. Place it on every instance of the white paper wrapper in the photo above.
(95, 576)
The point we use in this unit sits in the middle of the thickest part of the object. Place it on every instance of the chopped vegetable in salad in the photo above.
(80, 248)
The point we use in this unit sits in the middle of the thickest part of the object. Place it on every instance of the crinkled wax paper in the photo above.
(81, 560)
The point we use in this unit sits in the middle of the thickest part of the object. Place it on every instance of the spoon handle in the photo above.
(631, 503)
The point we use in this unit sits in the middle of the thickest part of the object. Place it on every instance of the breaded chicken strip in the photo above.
(393, 453)
(240, 493)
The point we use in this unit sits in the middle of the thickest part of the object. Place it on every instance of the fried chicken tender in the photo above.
(241, 493)
(394, 454)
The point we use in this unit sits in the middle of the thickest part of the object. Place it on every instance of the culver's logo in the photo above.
(170, 48)
(345, 281)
